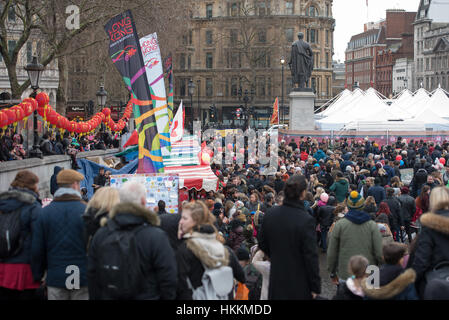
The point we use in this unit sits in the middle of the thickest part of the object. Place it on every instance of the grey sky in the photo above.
(350, 16)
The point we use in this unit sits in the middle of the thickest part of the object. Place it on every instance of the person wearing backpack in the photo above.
(19, 210)
(58, 245)
(206, 268)
(253, 276)
(130, 258)
(432, 248)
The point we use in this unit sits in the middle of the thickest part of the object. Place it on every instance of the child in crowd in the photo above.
(351, 289)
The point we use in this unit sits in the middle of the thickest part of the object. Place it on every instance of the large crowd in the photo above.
(257, 237)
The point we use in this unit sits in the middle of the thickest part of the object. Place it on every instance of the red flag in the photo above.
(275, 116)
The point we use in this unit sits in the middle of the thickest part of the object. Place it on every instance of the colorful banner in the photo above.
(155, 74)
(177, 127)
(275, 116)
(169, 73)
(125, 52)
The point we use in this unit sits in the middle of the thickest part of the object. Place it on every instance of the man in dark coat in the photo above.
(157, 258)
(53, 184)
(408, 207)
(287, 236)
(396, 218)
(169, 223)
(377, 192)
(58, 240)
(301, 61)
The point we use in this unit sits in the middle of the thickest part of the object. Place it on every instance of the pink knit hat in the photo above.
(324, 197)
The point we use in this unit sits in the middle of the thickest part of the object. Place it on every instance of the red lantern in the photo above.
(3, 119)
(32, 102)
(106, 112)
(19, 113)
(52, 117)
(42, 99)
(11, 116)
(27, 108)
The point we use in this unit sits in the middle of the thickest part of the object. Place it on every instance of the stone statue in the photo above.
(301, 62)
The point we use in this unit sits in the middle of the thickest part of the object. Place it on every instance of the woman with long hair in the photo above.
(201, 251)
(370, 207)
(97, 210)
(21, 206)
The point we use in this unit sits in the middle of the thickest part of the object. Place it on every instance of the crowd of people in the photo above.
(11, 144)
(256, 238)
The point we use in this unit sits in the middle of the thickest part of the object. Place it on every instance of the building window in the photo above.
(262, 35)
(209, 11)
(327, 38)
(312, 11)
(209, 60)
(11, 47)
(289, 7)
(263, 8)
(12, 13)
(209, 87)
(269, 87)
(312, 36)
(327, 59)
(182, 87)
(234, 87)
(29, 52)
(313, 85)
(189, 62)
(209, 37)
(234, 9)
(233, 37)
(289, 34)
(182, 61)
(328, 11)
(261, 87)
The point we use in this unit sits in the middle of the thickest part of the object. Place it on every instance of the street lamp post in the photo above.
(282, 84)
(34, 70)
(102, 96)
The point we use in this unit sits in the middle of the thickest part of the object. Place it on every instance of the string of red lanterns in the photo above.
(24, 109)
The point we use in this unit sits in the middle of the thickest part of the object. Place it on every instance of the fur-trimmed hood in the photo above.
(393, 288)
(436, 222)
(205, 246)
(19, 195)
(135, 210)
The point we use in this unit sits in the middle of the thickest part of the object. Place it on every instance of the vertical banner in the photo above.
(125, 52)
(275, 116)
(169, 73)
(152, 60)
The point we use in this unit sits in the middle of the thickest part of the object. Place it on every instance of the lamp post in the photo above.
(102, 96)
(282, 84)
(198, 86)
(34, 70)
(191, 87)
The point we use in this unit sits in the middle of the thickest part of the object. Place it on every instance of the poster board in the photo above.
(158, 186)
(406, 176)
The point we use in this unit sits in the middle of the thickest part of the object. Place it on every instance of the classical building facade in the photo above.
(403, 75)
(34, 46)
(431, 57)
(234, 50)
(338, 78)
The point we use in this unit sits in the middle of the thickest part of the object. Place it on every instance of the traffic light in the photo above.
(239, 113)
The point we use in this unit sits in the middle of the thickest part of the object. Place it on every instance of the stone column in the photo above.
(302, 109)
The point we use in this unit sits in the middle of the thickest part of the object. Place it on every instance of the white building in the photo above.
(50, 78)
(402, 75)
(431, 58)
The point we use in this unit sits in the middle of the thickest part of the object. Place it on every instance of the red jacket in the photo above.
(304, 156)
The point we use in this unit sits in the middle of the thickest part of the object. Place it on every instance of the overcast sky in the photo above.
(350, 16)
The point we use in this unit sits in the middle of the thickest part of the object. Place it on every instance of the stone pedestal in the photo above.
(302, 110)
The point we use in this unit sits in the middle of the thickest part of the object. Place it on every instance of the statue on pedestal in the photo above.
(301, 62)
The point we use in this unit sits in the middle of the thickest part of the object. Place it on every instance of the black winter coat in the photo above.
(156, 256)
(169, 223)
(432, 247)
(325, 216)
(189, 266)
(396, 219)
(288, 237)
(408, 206)
(343, 293)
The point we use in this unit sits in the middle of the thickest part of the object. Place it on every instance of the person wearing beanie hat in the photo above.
(59, 227)
(253, 276)
(355, 234)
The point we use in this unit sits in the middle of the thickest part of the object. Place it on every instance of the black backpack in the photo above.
(120, 272)
(10, 234)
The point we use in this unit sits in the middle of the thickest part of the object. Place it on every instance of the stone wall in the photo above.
(43, 168)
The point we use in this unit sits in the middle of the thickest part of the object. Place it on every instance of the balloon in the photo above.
(229, 147)
(3, 119)
(401, 163)
(242, 151)
(42, 99)
(443, 161)
(398, 158)
(205, 159)
(220, 149)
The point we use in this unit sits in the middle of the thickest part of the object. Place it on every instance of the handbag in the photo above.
(440, 272)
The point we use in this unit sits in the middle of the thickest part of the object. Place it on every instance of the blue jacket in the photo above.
(58, 241)
(319, 155)
(30, 209)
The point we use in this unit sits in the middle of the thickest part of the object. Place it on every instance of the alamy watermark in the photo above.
(72, 22)
(73, 280)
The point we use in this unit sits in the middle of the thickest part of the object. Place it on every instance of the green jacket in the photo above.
(348, 239)
(341, 188)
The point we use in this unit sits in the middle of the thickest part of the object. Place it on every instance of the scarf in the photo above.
(62, 191)
(207, 249)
